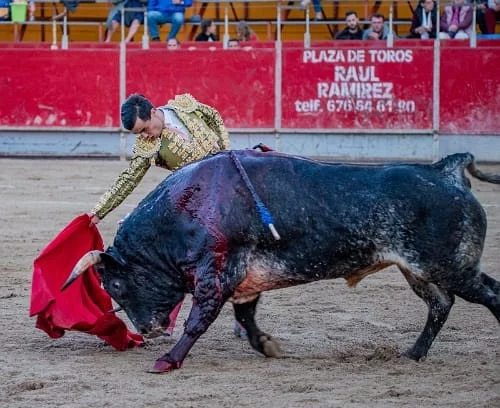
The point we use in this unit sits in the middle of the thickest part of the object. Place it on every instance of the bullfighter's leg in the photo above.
(260, 341)
(481, 289)
(439, 302)
(208, 300)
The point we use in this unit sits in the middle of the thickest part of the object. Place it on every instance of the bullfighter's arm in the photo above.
(214, 121)
(123, 186)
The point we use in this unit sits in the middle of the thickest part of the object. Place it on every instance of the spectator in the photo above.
(208, 28)
(245, 33)
(481, 7)
(378, 30)
(5, 10)
(69, 6)
(353, 31)
(132, 19)
(456, 21)
(31, 10)
(173, 44)
(317, 7)
(488, 11)
(424, 21)
(234, 43)
(166, 11)
(492, 15)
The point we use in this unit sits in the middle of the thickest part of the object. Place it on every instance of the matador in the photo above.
(170, 136)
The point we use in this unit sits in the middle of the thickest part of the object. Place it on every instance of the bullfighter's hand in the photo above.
(94, 219)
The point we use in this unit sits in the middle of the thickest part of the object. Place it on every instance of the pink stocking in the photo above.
(173, 317)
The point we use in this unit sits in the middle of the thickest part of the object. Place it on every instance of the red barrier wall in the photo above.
(238, 83)
(335, 85)
(352, 87)
(470, 90)
(43, 88)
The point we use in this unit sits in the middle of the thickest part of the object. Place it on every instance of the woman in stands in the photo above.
(245, 33)
(424, 21)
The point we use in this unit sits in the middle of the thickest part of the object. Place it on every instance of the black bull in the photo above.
(199, 232)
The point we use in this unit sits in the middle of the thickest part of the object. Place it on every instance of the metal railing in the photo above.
(279, 22)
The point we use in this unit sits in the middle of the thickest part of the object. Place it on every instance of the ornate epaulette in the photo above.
(184, 103)
(146, 148)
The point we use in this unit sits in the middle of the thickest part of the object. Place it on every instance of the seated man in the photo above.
(424, 21)
(378, 29)
(456, 21)
(353, 31)
(133, 19)
(166, 11)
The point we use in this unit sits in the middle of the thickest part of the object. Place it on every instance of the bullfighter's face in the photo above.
(147, 304)
(150, 129)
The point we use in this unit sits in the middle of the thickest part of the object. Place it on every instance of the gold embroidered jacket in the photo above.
(170, 151)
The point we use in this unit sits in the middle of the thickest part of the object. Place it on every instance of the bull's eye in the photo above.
(117, 288)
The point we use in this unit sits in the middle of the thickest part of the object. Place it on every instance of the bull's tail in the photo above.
(474, 171)
(460, 161)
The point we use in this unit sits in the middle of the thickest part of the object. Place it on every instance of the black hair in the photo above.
(205, 24)
(348, 13)
(378, 15)
(135, 106)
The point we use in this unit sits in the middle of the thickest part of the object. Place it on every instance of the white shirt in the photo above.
(173, 122)
(426, 22)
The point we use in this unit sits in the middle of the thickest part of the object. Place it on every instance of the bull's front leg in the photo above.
(208, 300)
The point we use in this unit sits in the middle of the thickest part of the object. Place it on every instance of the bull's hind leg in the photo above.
(260, 341)
(439, 303)
(481, 289)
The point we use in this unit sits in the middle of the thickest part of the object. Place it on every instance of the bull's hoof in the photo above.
(270, 347)
(239, 330)
(414, 356)
(163, 366)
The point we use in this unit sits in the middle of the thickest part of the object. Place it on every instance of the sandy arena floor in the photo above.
(339, 345)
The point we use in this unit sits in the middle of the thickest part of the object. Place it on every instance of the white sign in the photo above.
(356, 86)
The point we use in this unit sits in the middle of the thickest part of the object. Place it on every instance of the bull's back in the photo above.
(329, 217)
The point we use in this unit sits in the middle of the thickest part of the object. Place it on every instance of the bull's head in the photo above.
(146, 297)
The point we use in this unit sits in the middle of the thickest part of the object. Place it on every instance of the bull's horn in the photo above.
(89, 259)
(115, 310)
